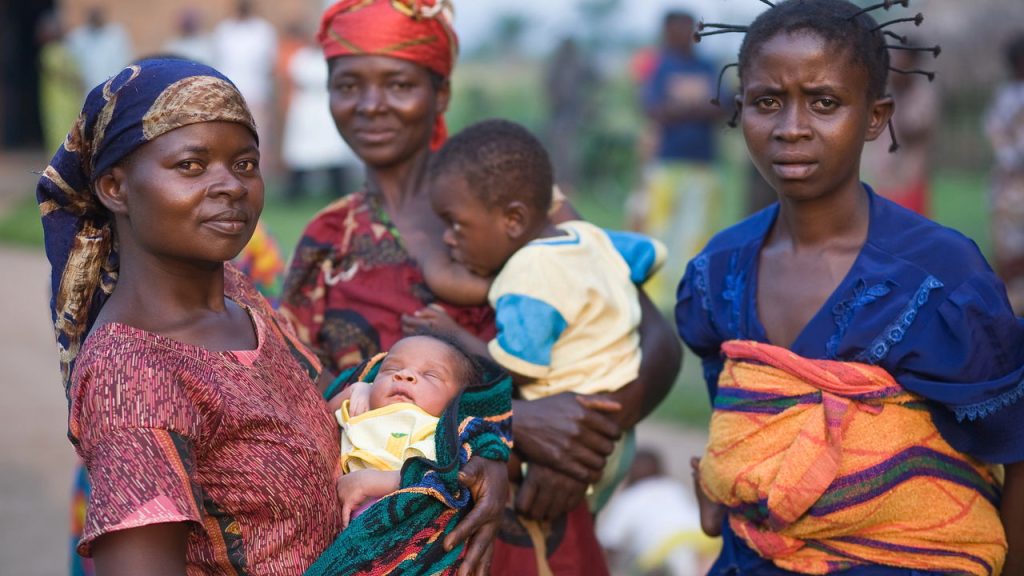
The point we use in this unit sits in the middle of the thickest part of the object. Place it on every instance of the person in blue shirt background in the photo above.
(682, 187)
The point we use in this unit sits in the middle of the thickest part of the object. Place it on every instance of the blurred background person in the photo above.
(569, 86)
(60, 83)
(311, 144)
(1004, 126)
(244, 49)
(191, 42)
(682, 184)
(100, 48)
(652, 525)
(903, 176)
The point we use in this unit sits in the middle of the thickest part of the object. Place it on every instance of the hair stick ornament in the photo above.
(916, 19)
(886, 5)
(718, 92)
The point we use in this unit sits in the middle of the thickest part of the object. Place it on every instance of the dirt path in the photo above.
(36, 460)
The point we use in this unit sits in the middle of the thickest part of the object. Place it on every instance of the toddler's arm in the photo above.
(452, 282)
(360, 486)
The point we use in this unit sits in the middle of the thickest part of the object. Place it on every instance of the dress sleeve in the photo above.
(527, 331)
(644, 255)
(136, 431)
(694, 319)
(535, 299)
(969, 359)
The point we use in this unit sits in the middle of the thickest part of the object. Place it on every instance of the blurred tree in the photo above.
(598, 16)
(509, 30)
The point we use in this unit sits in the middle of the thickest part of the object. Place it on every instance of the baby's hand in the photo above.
(359, 401)
(360, 486)
(432, 318)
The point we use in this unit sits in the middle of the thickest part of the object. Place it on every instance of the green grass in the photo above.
(19, 225)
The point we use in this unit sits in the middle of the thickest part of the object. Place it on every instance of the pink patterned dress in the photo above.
(237, 444)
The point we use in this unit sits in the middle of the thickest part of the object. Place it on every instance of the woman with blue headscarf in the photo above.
(193, 408)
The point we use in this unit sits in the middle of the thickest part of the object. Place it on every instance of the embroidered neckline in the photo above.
(735, 286)
(844, 311)
(700, 266)
(897, 329)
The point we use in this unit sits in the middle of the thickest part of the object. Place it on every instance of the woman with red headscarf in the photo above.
(355, 281)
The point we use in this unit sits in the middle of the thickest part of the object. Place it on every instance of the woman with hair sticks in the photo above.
(355, 283)
(864, 364)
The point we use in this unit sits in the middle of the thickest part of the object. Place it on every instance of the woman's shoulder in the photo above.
(114, 345)
(922, 245)
(747, 233)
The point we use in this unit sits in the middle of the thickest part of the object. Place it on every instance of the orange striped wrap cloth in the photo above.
(827, 465)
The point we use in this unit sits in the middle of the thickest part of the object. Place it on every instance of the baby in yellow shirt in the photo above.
(394, 418)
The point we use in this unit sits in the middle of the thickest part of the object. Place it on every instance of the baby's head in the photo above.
(491, 184)
(427, 370)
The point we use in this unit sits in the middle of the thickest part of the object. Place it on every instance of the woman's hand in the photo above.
(1011, 512)
(712, 514)
(569, 433)
(487, 481)
(547, 494)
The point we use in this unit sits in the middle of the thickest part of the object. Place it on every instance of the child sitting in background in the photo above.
(652, 526)
(565, 299)
(395, 418)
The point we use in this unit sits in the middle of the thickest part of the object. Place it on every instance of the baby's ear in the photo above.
(880, 113)
(111, 190)
(517, 219)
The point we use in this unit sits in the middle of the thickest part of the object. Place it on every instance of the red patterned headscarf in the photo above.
(419, 31)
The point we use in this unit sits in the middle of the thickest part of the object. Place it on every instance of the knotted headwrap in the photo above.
(419, 31)
(140, 103)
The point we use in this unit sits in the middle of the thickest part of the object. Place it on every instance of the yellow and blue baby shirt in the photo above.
(567, 309)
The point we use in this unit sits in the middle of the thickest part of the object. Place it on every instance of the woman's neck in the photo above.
(814, 223)
(399, 183)
(155, 295)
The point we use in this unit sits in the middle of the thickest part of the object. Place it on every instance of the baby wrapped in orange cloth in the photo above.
(824, 465)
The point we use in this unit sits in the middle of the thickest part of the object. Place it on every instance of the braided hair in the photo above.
(845, 27)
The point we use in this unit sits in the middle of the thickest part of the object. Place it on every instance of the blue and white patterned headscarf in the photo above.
(140, 103)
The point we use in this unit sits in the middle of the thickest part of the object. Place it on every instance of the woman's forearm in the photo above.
(662, 358)
(157, 549)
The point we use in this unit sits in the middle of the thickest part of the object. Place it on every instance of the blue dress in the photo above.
(919, 301)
